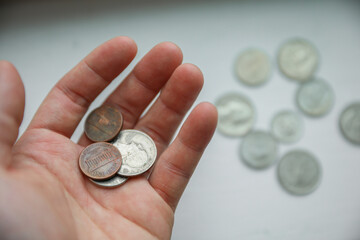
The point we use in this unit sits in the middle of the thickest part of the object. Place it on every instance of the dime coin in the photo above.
(287, 127)
(100, 160)
(299, 172)
(298, 59)
(258, 150)
(103, 124)
(138, 151)
(350, 122)
(114, 181)
(315, 98)
(236, 114)
(253, 67)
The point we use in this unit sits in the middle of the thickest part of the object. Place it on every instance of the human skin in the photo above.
(43, 194)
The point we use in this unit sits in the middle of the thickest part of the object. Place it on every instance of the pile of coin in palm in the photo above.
(299, 171)
(116, 154)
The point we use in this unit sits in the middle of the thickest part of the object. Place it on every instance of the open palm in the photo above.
(43, 194)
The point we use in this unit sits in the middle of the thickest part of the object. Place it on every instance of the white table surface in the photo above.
(225, 199)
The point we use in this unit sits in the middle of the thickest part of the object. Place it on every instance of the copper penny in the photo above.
(100, 160)
(103, 124)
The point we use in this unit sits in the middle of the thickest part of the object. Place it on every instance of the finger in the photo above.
(12, 103)
(68, 101)
(176, 165)
(178, 95)
(144, 82)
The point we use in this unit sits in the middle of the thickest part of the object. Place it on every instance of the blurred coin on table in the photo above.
(114, 181)
(298, 59)
(315, 98)
(138, 151)
(287, 126)
(258, 150)
(299, 172)
(253, 67)
(350, 122)
(236, 114)
(100, 160)
(103, 124)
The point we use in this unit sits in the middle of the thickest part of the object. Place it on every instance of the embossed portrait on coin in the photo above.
(315, 96)
(353, 123)
(134, 154)
(301, 172)
(287, 125)
(260, 148)
(235, 113)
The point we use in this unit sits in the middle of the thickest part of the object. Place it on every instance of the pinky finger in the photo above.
(174, 168)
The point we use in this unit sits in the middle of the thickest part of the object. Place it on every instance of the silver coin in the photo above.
(299, 172)
(298, 59)
(287, 127)
(258, 150)
(236, 114)
(112, 182)
(253, 67)
(350, 122)
(138, 152)
(315, 98)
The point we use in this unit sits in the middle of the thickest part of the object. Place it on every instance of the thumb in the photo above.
(12, 103)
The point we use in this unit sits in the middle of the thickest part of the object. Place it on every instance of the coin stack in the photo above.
(299, 171)
(116, 154)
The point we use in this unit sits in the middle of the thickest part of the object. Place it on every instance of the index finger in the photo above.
(67, 102)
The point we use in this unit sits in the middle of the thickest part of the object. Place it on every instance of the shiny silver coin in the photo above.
(298, 59)
(287, 127)
(112, 182)
(315, 98)
(258, 150)
(299, 172)
(350, 122)
(236, 114)
(253, 67)
(138, 151)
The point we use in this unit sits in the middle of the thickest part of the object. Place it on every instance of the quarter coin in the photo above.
(258, 150)
(298, 59)
(253, 67)
(236, 114)
(138, 151)
(299, 172)
(103, 124)
(315, 98)
(100, 160)
(287, 127)
(350, 122)
(114, 181)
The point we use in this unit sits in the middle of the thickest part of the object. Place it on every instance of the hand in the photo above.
(43, 194)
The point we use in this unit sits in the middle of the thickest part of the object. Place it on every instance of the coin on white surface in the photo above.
(315, 98)
(138, 152)
(236, 114)
(258, 150)
(112, 182)
(298, 59)
(299, 172)
(350, 122)
(253, 67)
(287, 126)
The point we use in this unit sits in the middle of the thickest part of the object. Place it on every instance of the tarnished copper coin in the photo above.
(103, 124)
(100, 160)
